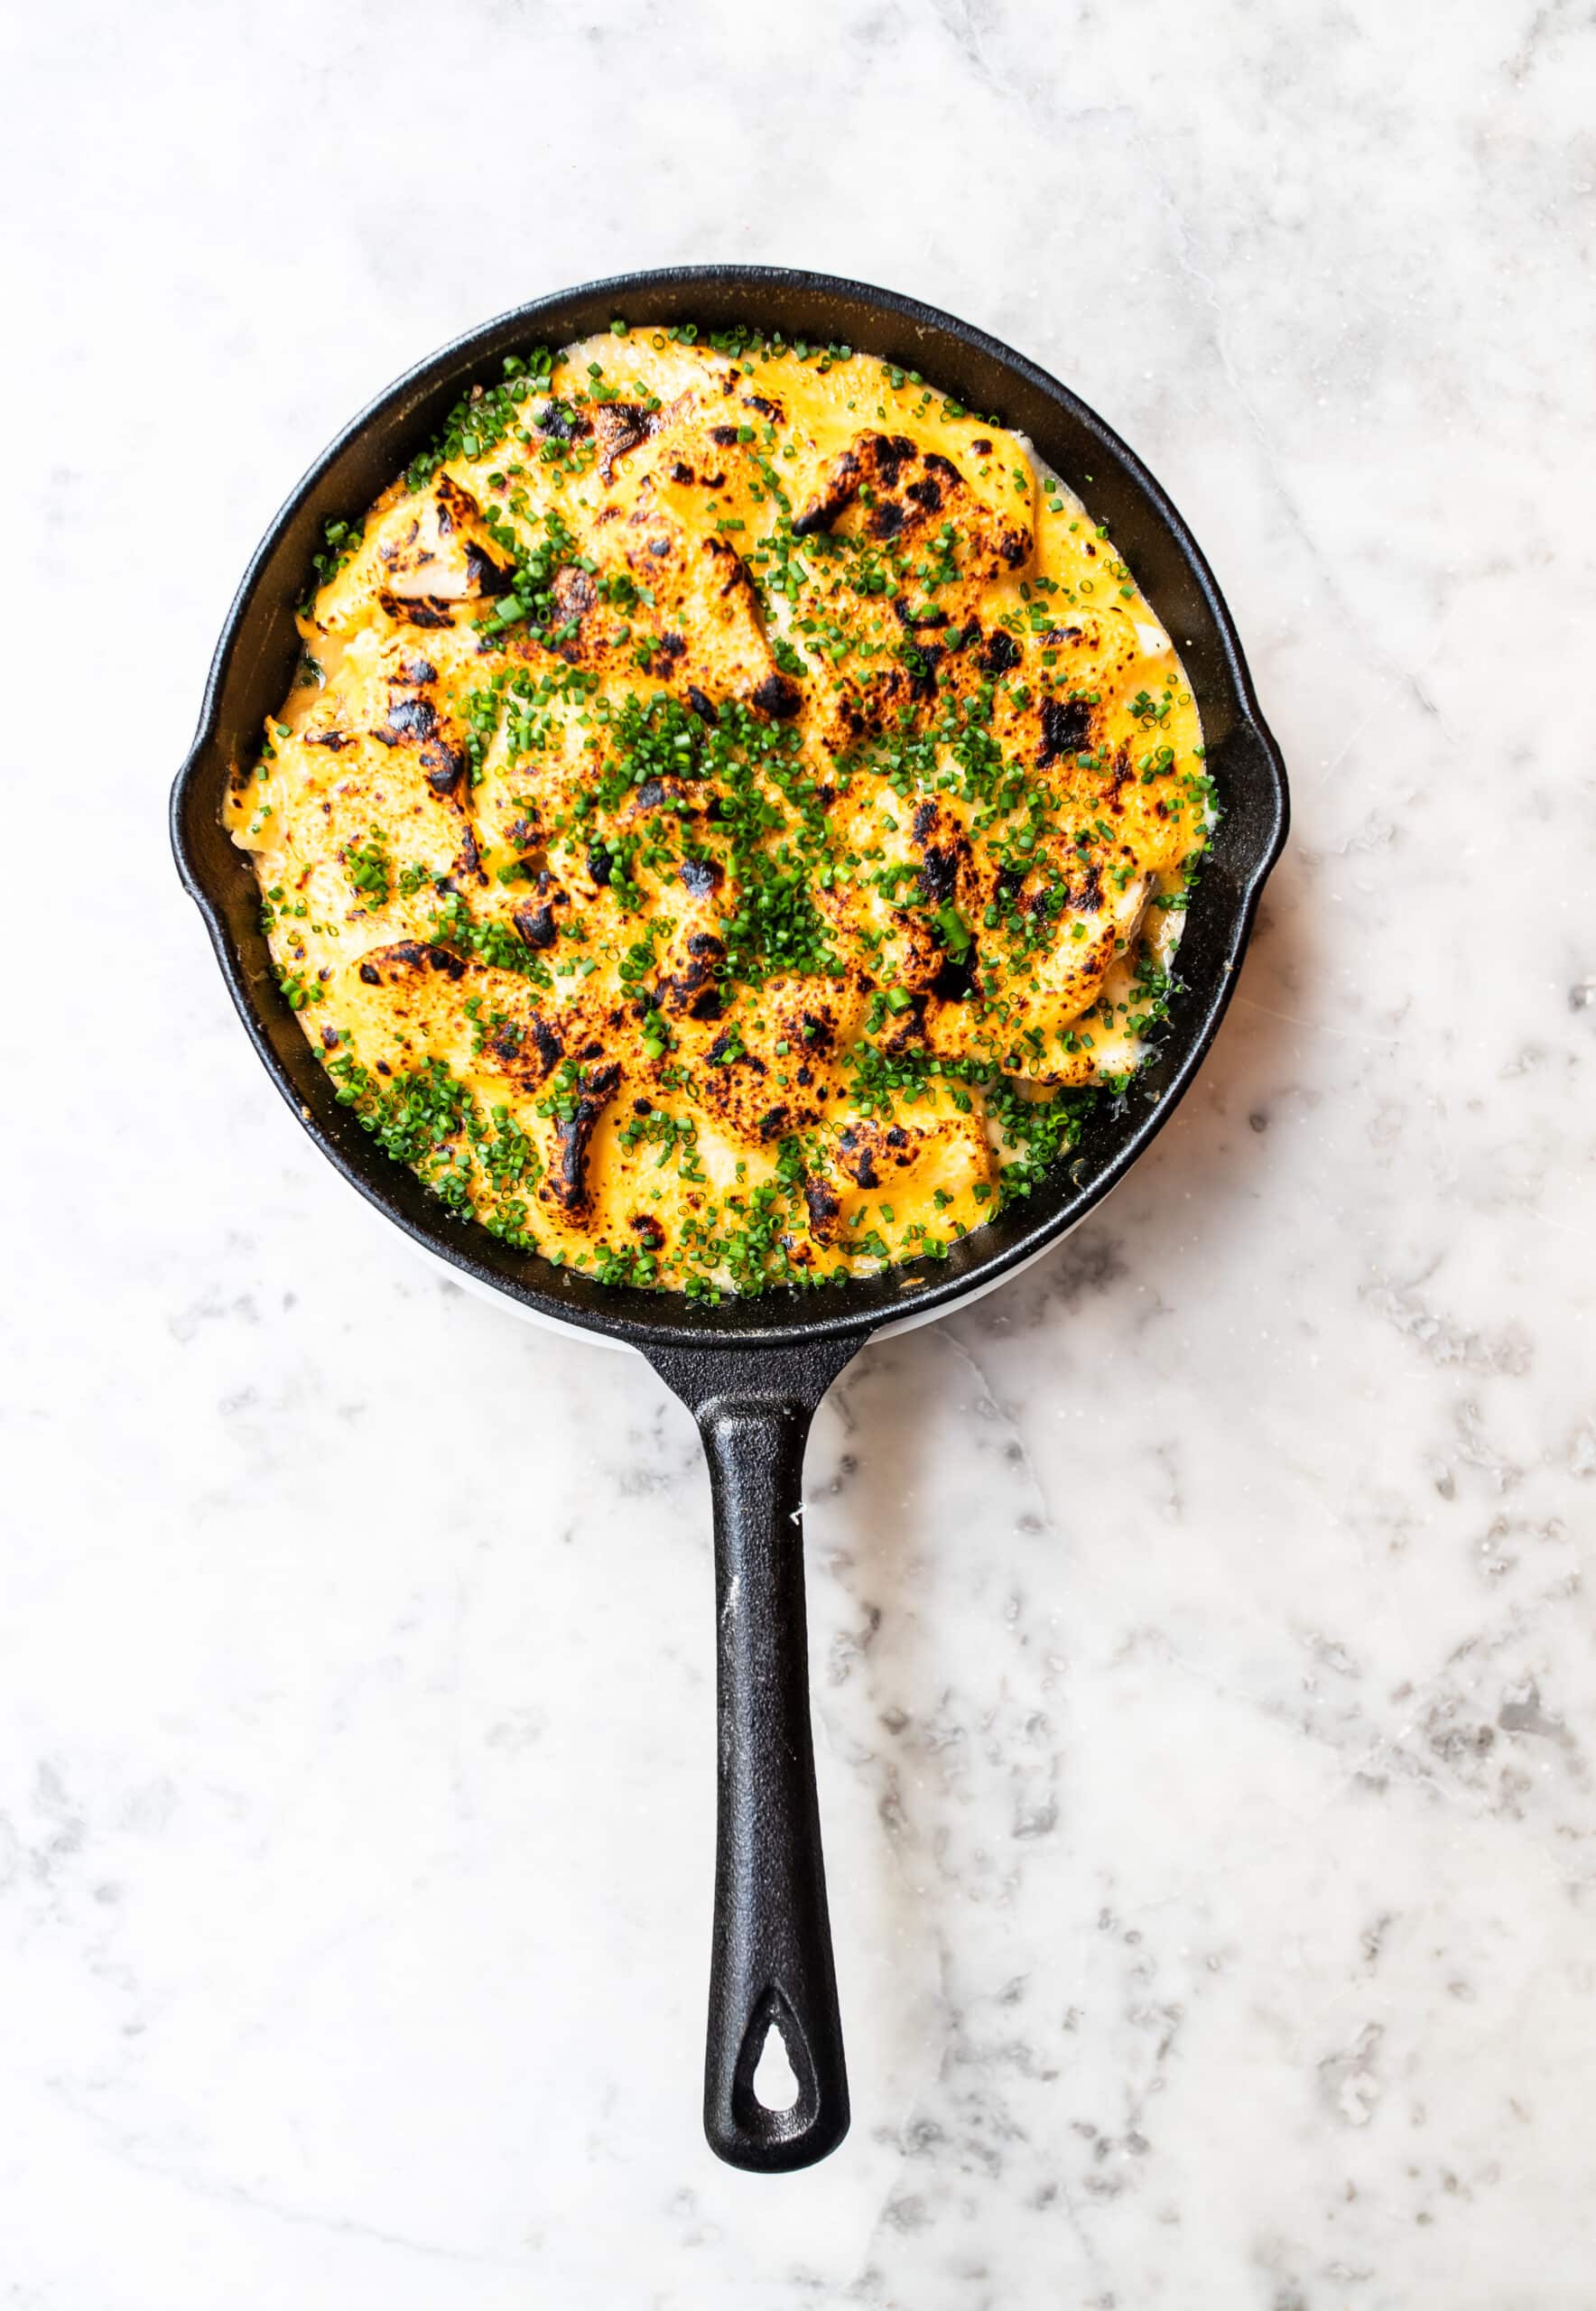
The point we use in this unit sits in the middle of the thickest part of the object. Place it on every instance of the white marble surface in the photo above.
(1205, 1691)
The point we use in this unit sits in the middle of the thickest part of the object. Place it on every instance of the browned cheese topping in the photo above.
(732, 816)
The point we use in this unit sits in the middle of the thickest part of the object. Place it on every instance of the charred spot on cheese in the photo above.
(694, 990)
(620, 426)
(545, 1042)
(653, 792)
(445, 767)
(778, 695)
(457, 508)
(406, 956)
(954, 982)
(856, 1148)
(416, 609)
(536, 924)
(922, 659)
(900, 491)
(1066, 729)
(822, 1208)
(727, 1050)
(485, 576)
(938, 872)
(841, 489)
(557, 421)
(573, 1135)
(574, 592)
(407, 718)
(733, 824)
(436, 550)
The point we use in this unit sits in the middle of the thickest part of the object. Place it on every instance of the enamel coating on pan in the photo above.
(752, 1371)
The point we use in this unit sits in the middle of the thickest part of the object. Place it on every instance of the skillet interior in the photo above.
(253, 665)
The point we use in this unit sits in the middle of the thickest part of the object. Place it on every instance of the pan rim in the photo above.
(679, 1320)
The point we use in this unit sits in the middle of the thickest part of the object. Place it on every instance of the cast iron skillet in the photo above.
(752, 1373)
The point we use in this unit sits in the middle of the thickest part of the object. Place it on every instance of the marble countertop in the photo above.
(1206, 1710)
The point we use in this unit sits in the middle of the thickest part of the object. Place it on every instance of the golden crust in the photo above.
(726, 797)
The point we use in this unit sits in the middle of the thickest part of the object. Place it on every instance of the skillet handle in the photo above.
(770, 1966)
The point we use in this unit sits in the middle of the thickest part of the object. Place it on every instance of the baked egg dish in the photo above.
(732, 816)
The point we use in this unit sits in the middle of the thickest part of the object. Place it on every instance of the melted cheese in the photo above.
(733, 807)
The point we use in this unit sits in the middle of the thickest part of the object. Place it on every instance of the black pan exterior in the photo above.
(254, 666)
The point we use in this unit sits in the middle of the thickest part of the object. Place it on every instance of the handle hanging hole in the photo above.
(774, 2095)
(775, 2081)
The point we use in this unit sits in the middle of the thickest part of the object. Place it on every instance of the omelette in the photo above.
(732, 816)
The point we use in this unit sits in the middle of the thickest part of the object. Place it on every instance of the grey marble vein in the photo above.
(1201, 1627)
